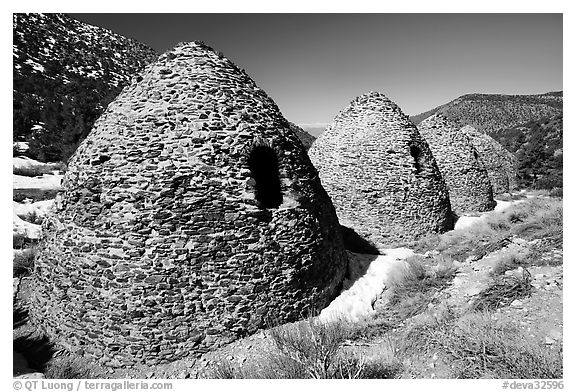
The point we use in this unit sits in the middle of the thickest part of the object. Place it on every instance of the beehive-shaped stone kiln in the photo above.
(460, 164)
(380, 173)
(494, 158)
(189, 215)
(512, 170)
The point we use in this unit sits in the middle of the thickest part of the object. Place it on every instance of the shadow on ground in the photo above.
(31, 350)
(354, 242)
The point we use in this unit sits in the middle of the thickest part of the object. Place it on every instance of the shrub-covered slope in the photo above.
(493, 113)
(538, 146)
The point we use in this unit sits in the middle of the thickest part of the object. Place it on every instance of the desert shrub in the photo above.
(23, 262)
(410, 290)
(33, 217)
(461, 244)
(274, 366)
(425, 333)
(374, 327)
(503, 291)
(33, 194)
(491, 245)
(412, 294)
(311, 346)
(478, 346)
(556, 192)
(531, 219)
(540, 253)
(21, 241)
(67, 368)
(482, 347)
(542, 219)
(226, 370)
(310, 349)
(353, 366)
(506, 263)
(424, 243)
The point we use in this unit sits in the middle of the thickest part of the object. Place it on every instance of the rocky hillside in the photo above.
(304, 136)
(493, 113)
(314, 129)
(65, 74)
(538, 146)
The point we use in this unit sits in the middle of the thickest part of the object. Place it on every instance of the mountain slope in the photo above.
(304, 136)
(495, 112)
(65, 74)
(538, 146)
(314, 129)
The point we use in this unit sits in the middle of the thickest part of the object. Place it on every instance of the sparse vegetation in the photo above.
(508, 262)
(36, 171)
(477, 346)
(67, 368)
(410, 291)
(493, 113)
(530, 220)
(411, 294)
(33, 217)
(503, 291)
(20, 195)
(21, 241)
(511, 196)
(538, 146)
(23, 263)
(557, 192)
(310, 349)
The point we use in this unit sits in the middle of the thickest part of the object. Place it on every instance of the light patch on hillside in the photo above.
(47, 182)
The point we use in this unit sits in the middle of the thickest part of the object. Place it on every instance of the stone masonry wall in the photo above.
(160, 246)
(512, 170)
(460, 164)
(494, 158)
(380, 173)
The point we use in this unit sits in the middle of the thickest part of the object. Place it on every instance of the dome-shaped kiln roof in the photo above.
(189, 215)
(467, 179)
(380, 172)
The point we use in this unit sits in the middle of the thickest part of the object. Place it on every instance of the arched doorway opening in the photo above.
(263, 164)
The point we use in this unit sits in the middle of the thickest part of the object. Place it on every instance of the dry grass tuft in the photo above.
(503, 291)
(479, 347)
(508, 262)
(410, 292)
(310, 349)
(67, 368)
(536, 218)
(23, 263)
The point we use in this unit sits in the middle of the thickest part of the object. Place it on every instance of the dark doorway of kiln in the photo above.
(263, 164)
(417, 155)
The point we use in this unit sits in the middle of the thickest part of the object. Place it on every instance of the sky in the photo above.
(313, 65)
